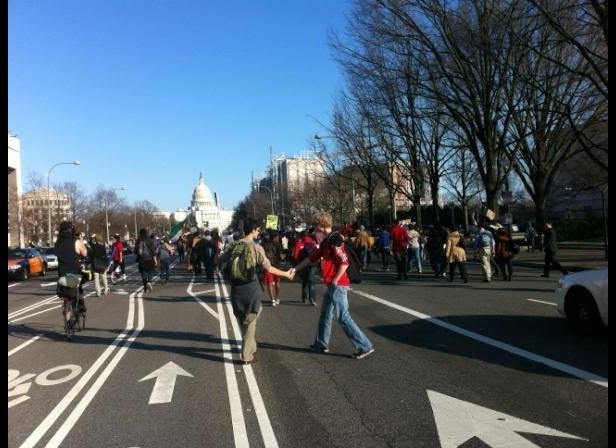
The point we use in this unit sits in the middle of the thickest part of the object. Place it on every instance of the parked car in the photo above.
(22, 263)
(582, 298)
(50, 257)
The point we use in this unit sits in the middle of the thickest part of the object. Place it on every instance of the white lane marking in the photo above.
(24, 345)
(267, 432)
(235, 403)
(43, 378)
(162, 392)
(49, 284)
(195, 295)
(56, 413)
(80, 408)
(14, 284)
(34, 314)
(541, 301)
(458, 421)
(33, 306)
(570, 370)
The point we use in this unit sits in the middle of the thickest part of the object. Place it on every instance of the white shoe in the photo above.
(123, 276)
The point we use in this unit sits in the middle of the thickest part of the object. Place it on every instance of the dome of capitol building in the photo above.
(204, 208)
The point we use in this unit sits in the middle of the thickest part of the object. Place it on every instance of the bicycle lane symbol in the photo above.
(20, 385)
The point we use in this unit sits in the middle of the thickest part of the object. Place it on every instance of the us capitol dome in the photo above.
(204, 207)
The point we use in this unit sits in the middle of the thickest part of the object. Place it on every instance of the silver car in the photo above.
(50, 257)
(582, 298)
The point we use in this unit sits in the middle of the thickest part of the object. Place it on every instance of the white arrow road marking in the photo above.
(458, 421)
(165, 382)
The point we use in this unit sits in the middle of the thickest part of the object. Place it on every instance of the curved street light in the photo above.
(270, 193)
(106, 219)
(49, 236)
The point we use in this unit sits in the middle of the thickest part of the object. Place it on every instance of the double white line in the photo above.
(123, 342)
(238, 423)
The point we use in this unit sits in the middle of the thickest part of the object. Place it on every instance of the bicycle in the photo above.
(74, 317)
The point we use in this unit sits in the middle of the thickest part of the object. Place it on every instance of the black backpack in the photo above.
(353, 270)
(143, 250)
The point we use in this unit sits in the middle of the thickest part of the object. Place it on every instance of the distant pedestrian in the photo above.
(165, 251)
(334, 263)
(147, 258)
(456, 255)
(550, 247)
(273, 251)
(503, 253)
(117, 258)
(414, 249)
(399, 243)
(384, 247)
(302, 249)
(484, 244)
(99, 265)
(180, 246)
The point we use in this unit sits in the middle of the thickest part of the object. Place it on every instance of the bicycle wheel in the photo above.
(81, 319)
(69, 328)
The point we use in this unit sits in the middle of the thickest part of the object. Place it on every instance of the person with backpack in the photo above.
(147, 257)
(334, 263)
(484, 244)
(242, 259)
(301, 250)
(99, 265)
(165, 251)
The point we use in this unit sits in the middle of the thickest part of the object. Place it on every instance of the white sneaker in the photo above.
(123, 276)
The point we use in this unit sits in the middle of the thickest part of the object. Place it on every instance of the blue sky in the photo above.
(148, 94)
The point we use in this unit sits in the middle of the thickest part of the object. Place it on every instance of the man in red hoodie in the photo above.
(399, 243)
(334, 263)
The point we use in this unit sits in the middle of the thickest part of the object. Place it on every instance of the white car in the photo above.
(582, 298)
(50, 257)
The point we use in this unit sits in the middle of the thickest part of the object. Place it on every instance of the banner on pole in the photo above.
(272, 222)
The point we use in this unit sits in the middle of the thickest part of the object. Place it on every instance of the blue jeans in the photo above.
(413, 255)
(335, 302)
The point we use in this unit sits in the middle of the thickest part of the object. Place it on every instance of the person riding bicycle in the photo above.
(70, 249)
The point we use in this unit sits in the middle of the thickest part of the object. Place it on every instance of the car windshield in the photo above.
(16, 253)
(46, 250)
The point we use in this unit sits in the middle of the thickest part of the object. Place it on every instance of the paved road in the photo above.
(455, 365)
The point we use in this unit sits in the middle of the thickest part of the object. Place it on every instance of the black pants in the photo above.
(506, 267)
(400, 258)
(550, 259)
(461, 268)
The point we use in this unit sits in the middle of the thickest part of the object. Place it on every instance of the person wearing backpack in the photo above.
(147, 253)
(334, 263)
(484, 243)
(99, 265)
(242, 259)
(165, 250)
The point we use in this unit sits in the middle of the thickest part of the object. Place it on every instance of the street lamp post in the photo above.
(49, 236)
(270, 193)
(106, 218)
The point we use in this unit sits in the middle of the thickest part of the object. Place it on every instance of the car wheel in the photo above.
(582, 312)
(24, 274)
(44, 270)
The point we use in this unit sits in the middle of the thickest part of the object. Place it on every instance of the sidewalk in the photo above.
(573, 255)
